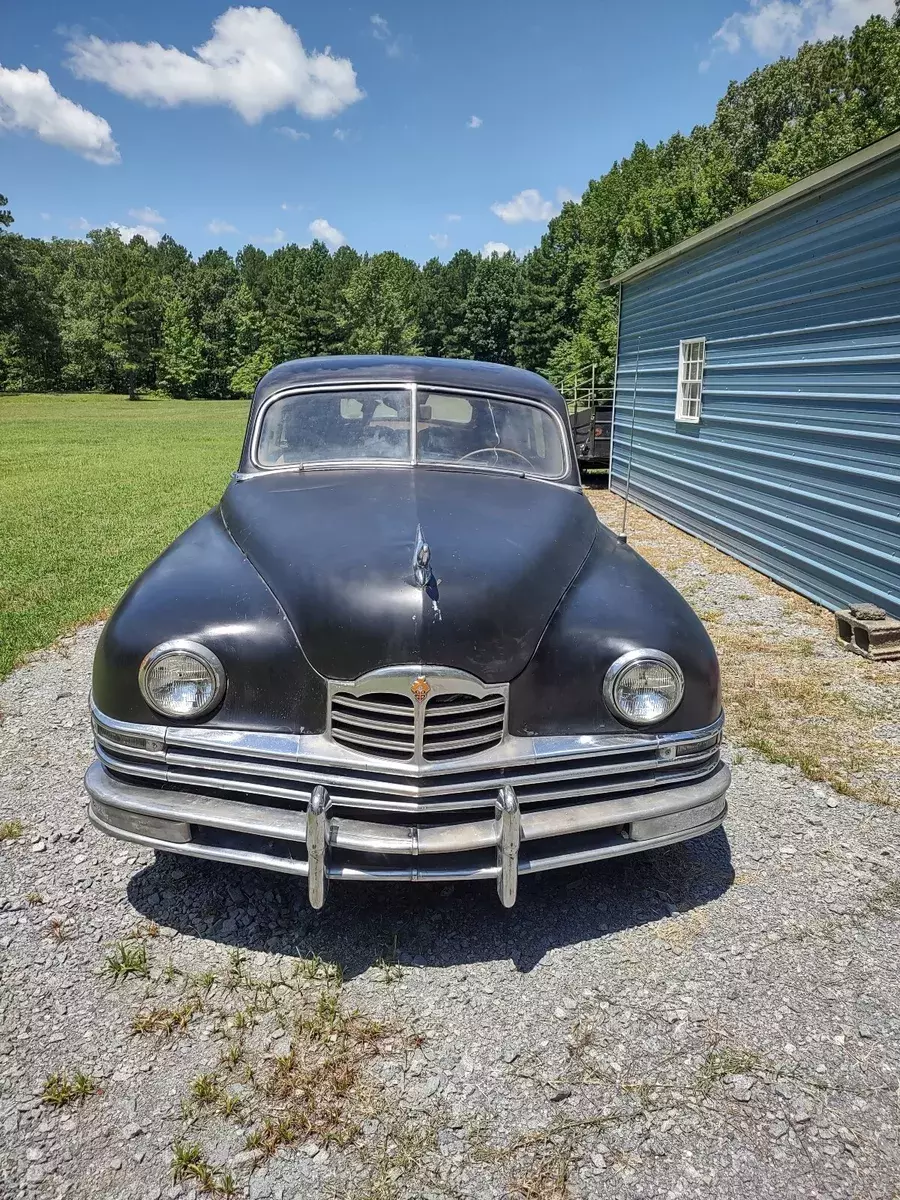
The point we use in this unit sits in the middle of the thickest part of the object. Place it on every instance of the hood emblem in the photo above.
(422, 560)
(420, 689)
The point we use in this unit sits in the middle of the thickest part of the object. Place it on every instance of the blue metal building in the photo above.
(757, 394)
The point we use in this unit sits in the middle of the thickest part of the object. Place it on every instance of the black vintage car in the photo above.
(403, 647)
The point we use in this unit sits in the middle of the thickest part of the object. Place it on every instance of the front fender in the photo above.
(618, 602)
(203, 587)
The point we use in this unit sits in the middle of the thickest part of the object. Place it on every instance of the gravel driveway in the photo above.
(716, 1019)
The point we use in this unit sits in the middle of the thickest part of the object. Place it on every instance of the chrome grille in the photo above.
(417, 715)
(455, 725)
(381, 723)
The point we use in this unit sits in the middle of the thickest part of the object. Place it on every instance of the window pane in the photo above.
(481, 432)
(357, 424)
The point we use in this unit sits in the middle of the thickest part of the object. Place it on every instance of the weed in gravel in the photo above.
(388, 965)
(205, 980)
(237, 973)
(34, 898)
(60, 1089)
(244, 1018)
(190, 1165)
(308, 1090)
(232, 1055)
(315, 968)
(186, 1157)
(545, 1178)
(678, 933)
(229, 1104)
(205, 1089)
(144, 929)
(722, 1061)
(397, 1158)
(11, 830)
(127, 958)
(166, 1020)
(710, 615)
(57, 930)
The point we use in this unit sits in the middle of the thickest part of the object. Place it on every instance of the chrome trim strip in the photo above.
(452, 710)
(521, 774)
(480, 739)
(367, 803)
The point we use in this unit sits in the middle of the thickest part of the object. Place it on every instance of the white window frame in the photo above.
(691, 365)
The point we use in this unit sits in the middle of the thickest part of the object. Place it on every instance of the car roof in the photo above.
(434, 372)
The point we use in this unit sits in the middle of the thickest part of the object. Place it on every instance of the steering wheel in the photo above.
(498, 450)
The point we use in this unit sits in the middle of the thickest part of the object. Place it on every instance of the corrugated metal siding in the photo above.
(795, 465)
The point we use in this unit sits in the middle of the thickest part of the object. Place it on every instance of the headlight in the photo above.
(181, 679)
(643, 687)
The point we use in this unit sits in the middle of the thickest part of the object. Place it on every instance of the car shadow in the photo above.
(437, 925)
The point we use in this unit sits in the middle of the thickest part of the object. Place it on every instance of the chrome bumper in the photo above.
(316, 843)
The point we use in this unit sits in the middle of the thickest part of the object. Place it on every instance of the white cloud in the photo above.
(288, 207)
(453, 217)
(325, 232)
(341, 134)
(29, 103)
(564, 196)
(773, 27)
(218, 226)
(474, 122)
(526, 206)
(288, 131)
(490, 248)
(381, 31)
(254, 62)
(147, 216)
(275, 238)
(80, 224)
(441, 240)
(127, 232)
(45, 216)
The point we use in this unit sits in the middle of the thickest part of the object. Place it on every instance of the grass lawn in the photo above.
(92, 488)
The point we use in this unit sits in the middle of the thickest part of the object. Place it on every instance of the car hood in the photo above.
(337, 549)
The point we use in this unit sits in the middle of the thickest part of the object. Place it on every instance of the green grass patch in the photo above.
(92, 489)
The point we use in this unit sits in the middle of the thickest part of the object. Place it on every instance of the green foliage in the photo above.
(491, 305)
(380, 306)
(102, 315)
(180, 364)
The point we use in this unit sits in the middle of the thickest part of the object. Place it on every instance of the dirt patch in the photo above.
(790, 691)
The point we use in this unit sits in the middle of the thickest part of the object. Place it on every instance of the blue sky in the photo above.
(395, 125)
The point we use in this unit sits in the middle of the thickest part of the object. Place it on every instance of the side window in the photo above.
(691, 360)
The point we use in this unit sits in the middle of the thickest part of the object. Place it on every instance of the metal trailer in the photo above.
(590, 415)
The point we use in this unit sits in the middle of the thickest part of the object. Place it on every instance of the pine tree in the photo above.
(181, 354)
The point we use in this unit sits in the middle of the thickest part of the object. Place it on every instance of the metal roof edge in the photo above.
(827, 176)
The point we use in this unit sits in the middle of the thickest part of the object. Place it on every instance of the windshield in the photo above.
(367, 424)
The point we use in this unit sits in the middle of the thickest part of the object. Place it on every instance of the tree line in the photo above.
(101, 314)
